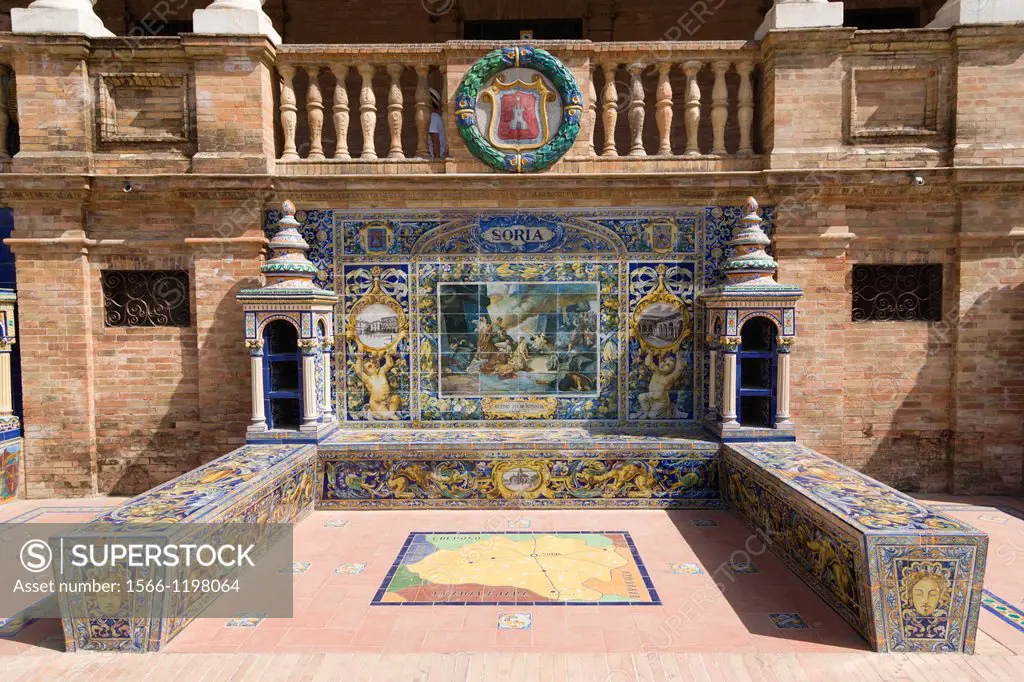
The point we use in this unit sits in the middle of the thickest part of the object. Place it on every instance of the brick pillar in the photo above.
(810, 243)
(227, 247)
(56, 310)
(56, 104)
(987, 391)
(234, 82)
(989, 89)
(802, 97)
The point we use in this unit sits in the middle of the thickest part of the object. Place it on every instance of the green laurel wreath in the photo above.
(490, 65)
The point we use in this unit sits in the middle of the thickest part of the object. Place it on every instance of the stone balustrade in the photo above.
(701, 95)
(633, 94)
(344, 103)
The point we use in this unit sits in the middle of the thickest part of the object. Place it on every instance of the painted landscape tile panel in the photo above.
(518, 339)
(565, 567)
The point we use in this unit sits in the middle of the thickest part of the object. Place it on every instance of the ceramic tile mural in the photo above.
(459, 259)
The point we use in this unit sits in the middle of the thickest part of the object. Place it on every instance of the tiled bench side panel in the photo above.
(921, 590)
(824, 552)
(254, 484)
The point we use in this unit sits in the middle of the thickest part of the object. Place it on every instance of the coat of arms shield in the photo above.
(518, 116)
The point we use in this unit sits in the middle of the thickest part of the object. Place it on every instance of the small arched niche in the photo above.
(282, 375)
(755, 369)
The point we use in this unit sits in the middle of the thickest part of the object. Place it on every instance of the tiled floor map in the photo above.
(575, 567)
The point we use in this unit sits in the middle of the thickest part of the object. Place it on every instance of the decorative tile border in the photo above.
(246, 620)
(789, 621)
(515, 621)
(1003, 610)
(349, 569)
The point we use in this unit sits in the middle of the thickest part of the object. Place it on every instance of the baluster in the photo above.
(288, 112)
(636, 110)
(719, 107)
(422, 109)
(590, 115)
(691, 110)
(664, 110)
(610, 114)
(745, 112)
(395, 104)
(367, 111)
(340, 112)
(315, 115)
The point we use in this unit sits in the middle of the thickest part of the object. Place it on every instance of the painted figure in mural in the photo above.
(382, 405)
(656, 403)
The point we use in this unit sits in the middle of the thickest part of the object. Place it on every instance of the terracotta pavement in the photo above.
(718, 623)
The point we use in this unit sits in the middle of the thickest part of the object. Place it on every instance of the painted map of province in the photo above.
(518, 568)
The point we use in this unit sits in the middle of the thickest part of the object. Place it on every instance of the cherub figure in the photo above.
(382, 406)
(655, 403)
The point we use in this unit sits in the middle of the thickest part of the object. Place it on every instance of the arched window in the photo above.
(755, 380)
(282, 375)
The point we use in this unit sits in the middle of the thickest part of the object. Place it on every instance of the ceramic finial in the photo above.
(289, 208)
(750, 206)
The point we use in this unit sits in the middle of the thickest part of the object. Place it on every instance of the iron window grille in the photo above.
(897, 292)
(146, 298)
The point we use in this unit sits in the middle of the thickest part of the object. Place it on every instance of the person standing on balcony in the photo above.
(437, 146)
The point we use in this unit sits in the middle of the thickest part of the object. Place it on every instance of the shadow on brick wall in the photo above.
(978, 449)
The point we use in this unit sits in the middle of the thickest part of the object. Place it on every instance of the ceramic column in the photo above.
(259, 417)
(730, 346)
(328, 358)
(712, 381)
(782, 381)
(6, 404)
(310, 392)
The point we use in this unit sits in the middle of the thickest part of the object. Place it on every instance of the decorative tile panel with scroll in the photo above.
(368, 375)
(661, 383)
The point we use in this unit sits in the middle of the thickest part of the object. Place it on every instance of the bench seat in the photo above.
(255, 484)
(905, 577)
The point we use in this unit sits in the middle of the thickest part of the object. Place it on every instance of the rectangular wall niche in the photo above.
(143, 107)
(146, 298)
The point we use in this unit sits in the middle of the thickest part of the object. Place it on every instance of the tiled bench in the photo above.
(258, 484)
(528, 467)
(905, 577)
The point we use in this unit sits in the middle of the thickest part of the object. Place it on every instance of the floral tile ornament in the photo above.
(336, 523)
(246, 620)
(994, 518)
(519, 523)
(297, 567)
(349, 569)
(743, 567)
(515, 621)
(686, 568)
(789, 621)
(704, 523)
